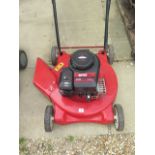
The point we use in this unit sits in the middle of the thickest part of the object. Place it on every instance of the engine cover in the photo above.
(85, 68)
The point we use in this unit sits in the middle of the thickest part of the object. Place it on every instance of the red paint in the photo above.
(75, 109)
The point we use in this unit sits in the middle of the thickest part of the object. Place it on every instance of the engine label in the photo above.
(84, 77)
(91, 74)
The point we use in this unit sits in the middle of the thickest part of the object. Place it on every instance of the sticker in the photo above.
(81, 110)
(59, 66)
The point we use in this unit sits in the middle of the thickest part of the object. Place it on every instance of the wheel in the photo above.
(110, 54)
(118, 117)
(54, 55)
(23, 61)
(48, 118)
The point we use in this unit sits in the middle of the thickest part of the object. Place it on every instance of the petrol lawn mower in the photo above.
(82, 86)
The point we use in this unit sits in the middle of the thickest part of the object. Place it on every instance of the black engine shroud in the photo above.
(81, 77)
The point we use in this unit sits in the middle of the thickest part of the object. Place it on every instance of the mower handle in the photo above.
(108, 3)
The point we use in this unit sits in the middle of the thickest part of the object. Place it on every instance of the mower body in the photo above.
(74, 109)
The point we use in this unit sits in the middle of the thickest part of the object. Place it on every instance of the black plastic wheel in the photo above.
(23, 61)
(118, 117)
(48, 118)
(110, 54)
(54, 55)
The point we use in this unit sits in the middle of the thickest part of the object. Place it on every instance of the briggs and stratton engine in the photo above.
(81, 77)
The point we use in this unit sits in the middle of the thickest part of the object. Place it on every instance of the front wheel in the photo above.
(48, 118)
(118, 117)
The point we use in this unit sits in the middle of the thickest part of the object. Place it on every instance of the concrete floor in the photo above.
(81, 23)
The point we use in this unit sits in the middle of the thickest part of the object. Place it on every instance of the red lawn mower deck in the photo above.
(82, 86)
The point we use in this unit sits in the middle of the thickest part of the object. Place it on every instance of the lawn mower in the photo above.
(81, 86)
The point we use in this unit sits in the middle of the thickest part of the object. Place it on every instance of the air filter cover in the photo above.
(82, 59)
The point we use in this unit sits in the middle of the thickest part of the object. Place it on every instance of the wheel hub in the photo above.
(116, 119)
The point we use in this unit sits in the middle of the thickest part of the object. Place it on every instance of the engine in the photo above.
(81, 77)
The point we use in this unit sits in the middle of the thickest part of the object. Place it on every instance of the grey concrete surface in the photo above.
(81, 23)
(126, 93)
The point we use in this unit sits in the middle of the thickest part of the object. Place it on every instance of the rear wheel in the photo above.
(110, 54)
(118, 117)
(48, 118)
(23, 61)
(54, 55)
